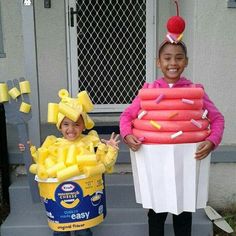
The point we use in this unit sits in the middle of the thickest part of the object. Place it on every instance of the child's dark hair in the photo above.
(181, 43)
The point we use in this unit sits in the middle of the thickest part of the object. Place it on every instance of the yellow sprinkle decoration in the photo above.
(155, 124)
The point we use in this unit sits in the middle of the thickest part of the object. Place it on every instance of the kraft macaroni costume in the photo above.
(69, 170)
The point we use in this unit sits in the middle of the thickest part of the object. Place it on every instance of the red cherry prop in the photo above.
(176, 25)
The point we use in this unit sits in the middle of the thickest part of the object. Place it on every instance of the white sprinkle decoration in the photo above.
(187, 101)
(142, 114)
(170, 39)
(204, 114)
(194, 122)
(175, 135)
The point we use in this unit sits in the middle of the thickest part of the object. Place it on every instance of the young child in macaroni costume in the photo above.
(76, 164)
(159, 117)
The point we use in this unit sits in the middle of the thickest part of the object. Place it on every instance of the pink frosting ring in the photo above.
(165, 137)
(170, 126)
(172, 115)
(171, 93)
(171, 104)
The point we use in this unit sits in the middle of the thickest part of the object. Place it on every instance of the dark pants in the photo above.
(83, 232)
(182, 223)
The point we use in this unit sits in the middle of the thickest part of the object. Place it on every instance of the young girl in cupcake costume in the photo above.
(172, 60)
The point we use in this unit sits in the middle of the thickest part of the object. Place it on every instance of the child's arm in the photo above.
(127, 116)
(109, 156)
(216, 121)
(204, 149)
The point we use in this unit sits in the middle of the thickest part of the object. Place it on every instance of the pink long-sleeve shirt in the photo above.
(214, 115)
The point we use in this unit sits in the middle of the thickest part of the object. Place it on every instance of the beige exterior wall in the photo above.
(210, 36)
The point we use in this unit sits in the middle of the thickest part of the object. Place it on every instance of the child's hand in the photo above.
(204, 149)
(113, 141)
(133, 142)
(21, 147)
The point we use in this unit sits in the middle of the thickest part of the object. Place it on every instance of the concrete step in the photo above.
(118, 222)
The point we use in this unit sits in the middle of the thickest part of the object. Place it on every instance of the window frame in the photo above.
(231, 4)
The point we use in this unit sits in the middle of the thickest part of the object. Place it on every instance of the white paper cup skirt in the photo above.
(167, 178)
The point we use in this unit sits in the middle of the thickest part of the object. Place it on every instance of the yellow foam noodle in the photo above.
(68, 172)
(85, 101)
(51, 139)
(101, 151)
(53, 150)
(83, 150)
(94, 170)
(91, 147)
(14, 93)
(3, 93)
(54, 158)
(42, 155)
(93, 133)
(61, 154)
(33, 149)
(89, 122)
(69, 112)
(34, 153)
(25, 107)
(71, 155)
(86, 159)
(63, 93)
(49, 162)
(41, 172)
(35, 156)
(24, 87)
(95, 140)
(52, 171)
(53, 110)
(33, 169)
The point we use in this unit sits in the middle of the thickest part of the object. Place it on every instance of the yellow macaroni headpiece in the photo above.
(71, 108)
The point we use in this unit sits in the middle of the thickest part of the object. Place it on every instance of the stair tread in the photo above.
(31, 218)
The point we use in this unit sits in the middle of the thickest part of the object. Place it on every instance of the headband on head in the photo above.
(175, 27)
(71, 108)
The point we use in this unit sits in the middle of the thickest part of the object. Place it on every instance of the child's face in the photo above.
(172, 62)
(72, 130)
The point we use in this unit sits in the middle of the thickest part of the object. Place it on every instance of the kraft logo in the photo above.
(67, 187)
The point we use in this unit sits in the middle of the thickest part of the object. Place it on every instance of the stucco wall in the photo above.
(12, 65)
(51, 50)
(214, 58)
(222, 185)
